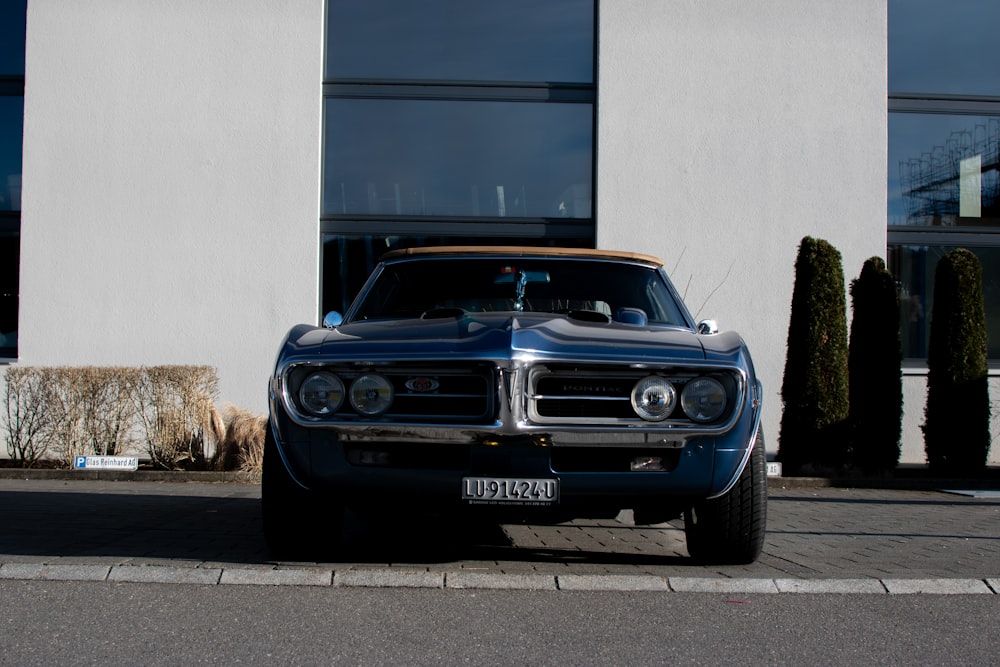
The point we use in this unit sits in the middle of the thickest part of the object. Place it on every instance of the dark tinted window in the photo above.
(943, 46)
(12, 21)
(11, 132)
(457, 159)
(461, 40)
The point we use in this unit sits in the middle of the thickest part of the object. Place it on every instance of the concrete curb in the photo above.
(231, 477)
(464, 580)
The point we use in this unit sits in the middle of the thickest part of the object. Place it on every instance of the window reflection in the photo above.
(444, 159)
(11, 131)
(12, 20)
(461, 40)
(914, 267)
(943, 47)
(944, 170)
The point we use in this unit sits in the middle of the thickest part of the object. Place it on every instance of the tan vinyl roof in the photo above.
(524, 251)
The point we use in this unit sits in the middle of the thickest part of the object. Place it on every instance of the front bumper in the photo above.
(430, 475)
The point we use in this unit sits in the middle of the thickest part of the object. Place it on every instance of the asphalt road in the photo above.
(81, 623)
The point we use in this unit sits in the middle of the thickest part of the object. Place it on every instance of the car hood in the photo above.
(503, 335)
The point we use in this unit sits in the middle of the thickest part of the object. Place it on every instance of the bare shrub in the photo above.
(106, 409)
(27, 418)
(242, 448)
(66, 412)
(175, 412)
(90, 410)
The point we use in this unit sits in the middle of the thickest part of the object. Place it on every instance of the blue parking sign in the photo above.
(80, 462)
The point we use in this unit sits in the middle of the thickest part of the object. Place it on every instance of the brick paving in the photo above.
(818, 540)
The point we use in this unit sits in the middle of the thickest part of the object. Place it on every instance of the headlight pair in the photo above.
(322, 393)
(702, 399)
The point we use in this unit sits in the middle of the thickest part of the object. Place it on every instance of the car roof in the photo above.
(521, 251)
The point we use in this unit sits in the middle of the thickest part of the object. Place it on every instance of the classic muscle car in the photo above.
(508, 383)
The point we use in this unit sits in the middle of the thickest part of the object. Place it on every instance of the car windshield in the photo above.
(592, 289)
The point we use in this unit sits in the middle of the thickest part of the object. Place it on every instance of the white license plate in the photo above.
(510, 491)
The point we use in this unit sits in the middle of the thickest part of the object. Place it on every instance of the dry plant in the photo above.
(27, 417)
(175, 412)
(242, 448)
(90, 410)
(66, 408)
(106, 409)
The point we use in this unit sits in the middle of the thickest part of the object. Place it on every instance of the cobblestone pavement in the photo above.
(818, 539)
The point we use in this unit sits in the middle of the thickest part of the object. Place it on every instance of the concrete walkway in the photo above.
(819, 540)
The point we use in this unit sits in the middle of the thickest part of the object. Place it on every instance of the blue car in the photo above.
(516, 384)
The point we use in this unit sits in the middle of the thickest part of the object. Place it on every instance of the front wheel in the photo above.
(297, 523)
(730, 529)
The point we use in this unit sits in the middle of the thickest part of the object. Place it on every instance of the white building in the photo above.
(195, 177)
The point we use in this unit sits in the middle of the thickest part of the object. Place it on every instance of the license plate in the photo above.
(510, 491)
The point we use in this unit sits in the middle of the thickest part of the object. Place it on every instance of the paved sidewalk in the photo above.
(819, 540)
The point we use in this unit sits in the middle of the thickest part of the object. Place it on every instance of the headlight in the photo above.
(654, 398)
(321, 394)
(703, 399)
(371, 395)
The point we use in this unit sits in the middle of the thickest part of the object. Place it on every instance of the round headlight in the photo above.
(371, 395)
(321, 394)
(654, 398)
(703, 399)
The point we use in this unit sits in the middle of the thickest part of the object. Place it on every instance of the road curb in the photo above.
(459, 580)
(208, 476)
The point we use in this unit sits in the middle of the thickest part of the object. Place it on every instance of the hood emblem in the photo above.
(422, 385)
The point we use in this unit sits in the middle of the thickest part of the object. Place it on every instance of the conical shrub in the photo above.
(875, 371)
(957, 414)
(814, 388)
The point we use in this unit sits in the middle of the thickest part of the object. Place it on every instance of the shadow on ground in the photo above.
(152, 528)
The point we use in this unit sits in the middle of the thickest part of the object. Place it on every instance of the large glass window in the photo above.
(461, 40)
(445, 159)
(12, 41)
(943, 47)
(454, 121)
(944, 153)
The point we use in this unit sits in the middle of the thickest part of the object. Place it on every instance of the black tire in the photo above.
(730, 529)
(298, 524)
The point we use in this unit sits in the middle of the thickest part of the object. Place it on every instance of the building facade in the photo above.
(194, 178)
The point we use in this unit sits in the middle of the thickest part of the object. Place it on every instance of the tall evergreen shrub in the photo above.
(957, 414)
(875, 370)
(814, 388)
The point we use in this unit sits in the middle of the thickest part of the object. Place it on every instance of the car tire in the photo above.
(730, 529)
(298, 524)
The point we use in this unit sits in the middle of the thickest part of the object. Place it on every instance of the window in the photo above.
(12, 40)
(944, 153)
(454, 121)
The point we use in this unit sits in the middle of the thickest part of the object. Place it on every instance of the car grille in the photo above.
(567, 394)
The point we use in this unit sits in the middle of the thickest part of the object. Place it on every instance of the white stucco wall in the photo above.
(729, 131)
(170, 199)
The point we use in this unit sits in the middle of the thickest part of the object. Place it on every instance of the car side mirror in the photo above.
(332, 320)
(708, 327)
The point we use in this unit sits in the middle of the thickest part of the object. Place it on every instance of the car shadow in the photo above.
(157, 528)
